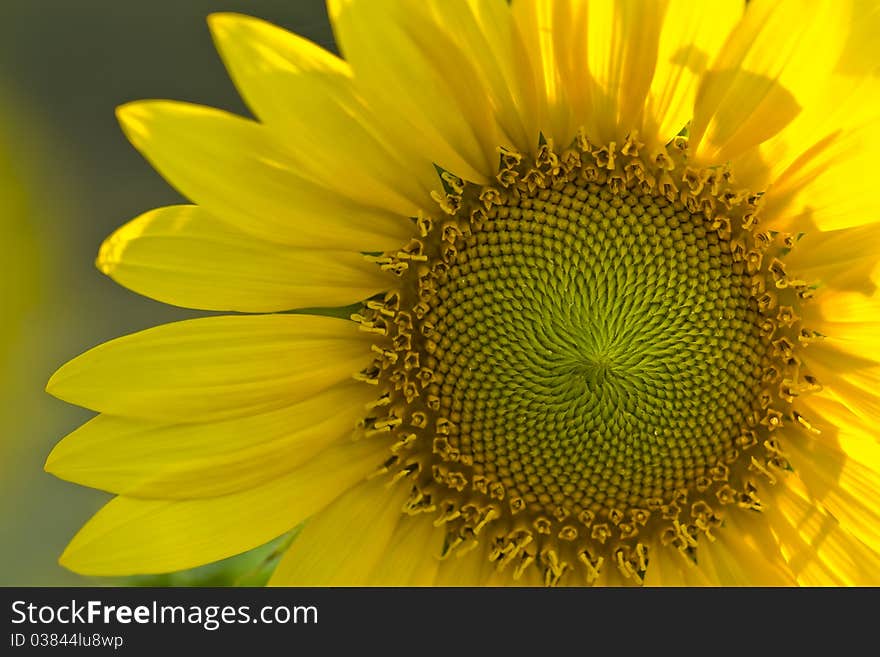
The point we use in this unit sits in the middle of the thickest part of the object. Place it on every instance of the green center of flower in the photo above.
(593, 349)
(586, 359)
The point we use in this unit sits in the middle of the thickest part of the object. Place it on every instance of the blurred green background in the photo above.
(68, 178)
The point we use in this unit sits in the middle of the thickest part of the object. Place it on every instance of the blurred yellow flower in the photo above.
(20, 282)
(614, 265)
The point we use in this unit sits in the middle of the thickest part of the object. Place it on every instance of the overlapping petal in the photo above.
(135, 536)
(468, 569)
(691, 36)
(307, 97)
(142, 458)
(817, 549)
(242, 174)
(842, 265)
(622, 47)
(324, 553)
(838, 468)
(184, 256)
(410, 69)
(555, 40)
(771, 67)
(214, 368)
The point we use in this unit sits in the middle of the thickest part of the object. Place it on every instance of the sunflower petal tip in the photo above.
(108, 255)
(102, 265)
(334, 7)
(52, 383)
(50, 465)
(223, 24)
(132, 119)
(62, 560)
(219, 20)
(58, 384)
(125, 111)
(87, 554)
(71, 558)
(137, 117)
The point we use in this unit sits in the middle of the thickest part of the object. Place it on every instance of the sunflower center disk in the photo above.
(595, 349)
(586, 357)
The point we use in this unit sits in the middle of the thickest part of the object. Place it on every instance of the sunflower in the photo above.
(606, 272)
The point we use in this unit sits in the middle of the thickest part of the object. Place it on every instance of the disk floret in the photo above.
(588, 357)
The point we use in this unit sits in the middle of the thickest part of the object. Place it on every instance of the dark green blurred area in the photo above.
(68, 178)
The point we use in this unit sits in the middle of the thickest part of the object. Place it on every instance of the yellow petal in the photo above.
(139, 458)
(470, 568)
(850, 320)
(668, 567)
(821, 135)
(830, 185)
(846, 486)
(214, 368)
(498, 49)
(772, 66)
(132, 536)
(818, 550)
(852, 378)
(827, 413)
(554, 34)
(692, 35)
(409, 68)
(744, 553)
(412, 555)
(842, 310)
(184, 256)
(484, 40)
(306, 96)
(841, 131)
(840, 262)
(240, 173)
(622, 46)
(343, 544)
(859, 56)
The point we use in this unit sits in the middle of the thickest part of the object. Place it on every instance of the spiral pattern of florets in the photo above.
(594, 350)
(587, 358)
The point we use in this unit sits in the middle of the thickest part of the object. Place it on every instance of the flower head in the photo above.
(612, 267)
